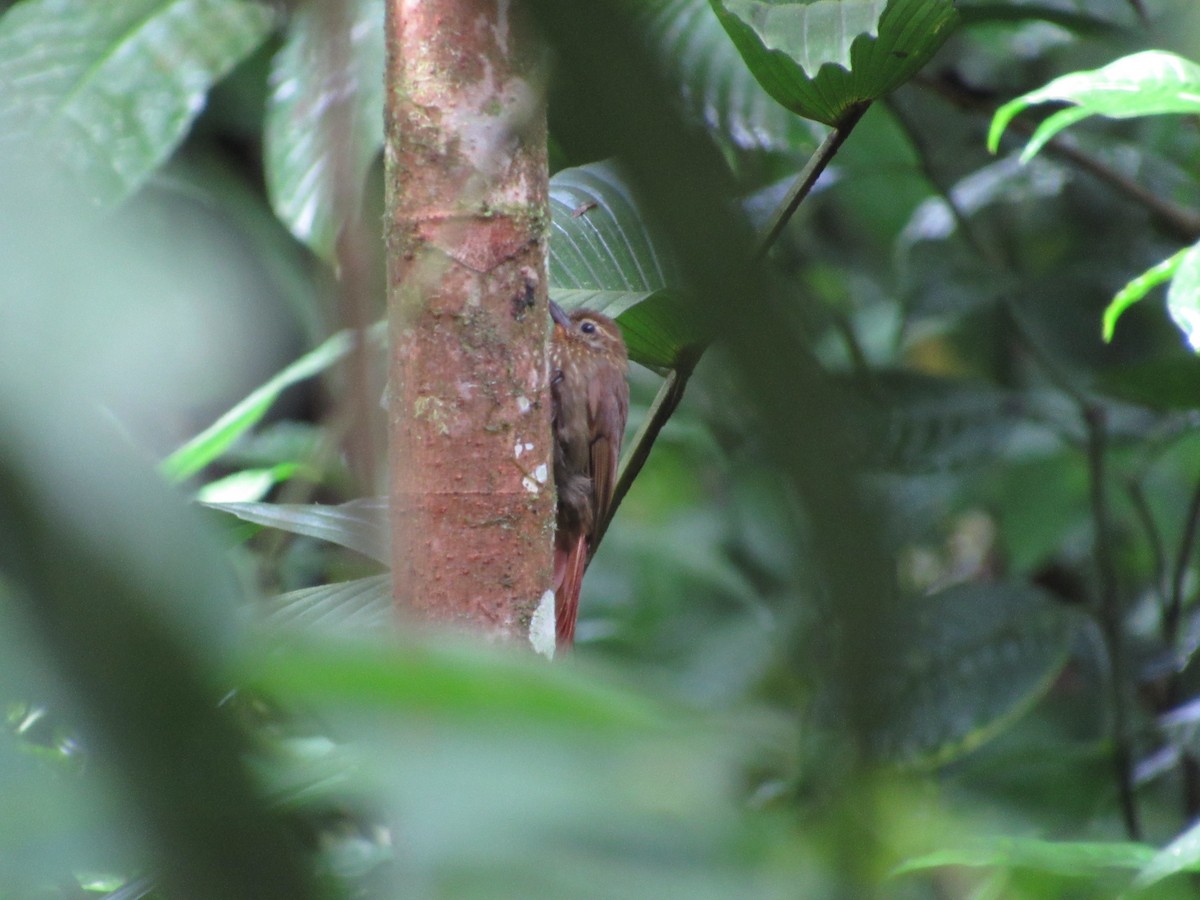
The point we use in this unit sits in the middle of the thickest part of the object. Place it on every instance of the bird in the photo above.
(589, 406)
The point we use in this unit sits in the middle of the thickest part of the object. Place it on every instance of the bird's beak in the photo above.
(559, 315)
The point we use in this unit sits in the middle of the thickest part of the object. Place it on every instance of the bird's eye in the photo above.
(588, 327)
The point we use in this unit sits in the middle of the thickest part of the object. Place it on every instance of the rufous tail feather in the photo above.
(570, 559)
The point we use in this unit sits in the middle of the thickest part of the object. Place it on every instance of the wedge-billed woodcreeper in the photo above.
(590, 401)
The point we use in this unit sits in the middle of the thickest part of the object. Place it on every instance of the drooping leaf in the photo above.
(823, 58)
(307, 82)
(111, 88)
(360, 525)
(1149, 83)
(1183, 296)
(603, 255)
(209, 444)
(717, 87)
(980, 655)
(1138, 288)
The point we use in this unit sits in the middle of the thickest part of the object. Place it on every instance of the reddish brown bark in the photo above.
(469, 437)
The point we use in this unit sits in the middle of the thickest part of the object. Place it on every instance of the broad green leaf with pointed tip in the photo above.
(111, 88)
(822, 59)
(1149, 83)
(604, 256)
(298, 152)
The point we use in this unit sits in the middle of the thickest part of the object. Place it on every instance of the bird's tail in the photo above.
(570, 558)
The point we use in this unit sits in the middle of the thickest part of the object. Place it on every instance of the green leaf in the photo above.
(1138, 288)
(717, 87)
(1079, 859)
(824, 58)
(110, 89)
(361, 606)
(1149, 83)
(1181, 855)
(360, 525)
(298, 144)
(209, 444)
(1183, 296)
(977, 657)
(604, 256)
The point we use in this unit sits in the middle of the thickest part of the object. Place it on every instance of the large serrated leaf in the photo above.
(111, 88)
(298, 146)
(975, 658)
(1149, 83)
(603, 255)
(360, 525)
(717, 86)
(822, 59)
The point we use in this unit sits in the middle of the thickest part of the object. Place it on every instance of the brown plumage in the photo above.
(590, 398)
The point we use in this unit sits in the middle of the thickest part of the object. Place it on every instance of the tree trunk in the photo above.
(472, 504)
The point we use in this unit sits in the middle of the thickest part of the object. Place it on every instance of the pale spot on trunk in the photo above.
(541, 626)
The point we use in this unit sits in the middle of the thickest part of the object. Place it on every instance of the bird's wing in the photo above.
(608, 407)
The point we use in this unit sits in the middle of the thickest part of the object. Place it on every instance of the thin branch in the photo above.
(1158, 549)
(1043, 358)
(1110, 616)
(817, 163)
(671, 391)
(665, 401)
(1109, 611)
(1181, 222)
(1186, 545)
(986, 251)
